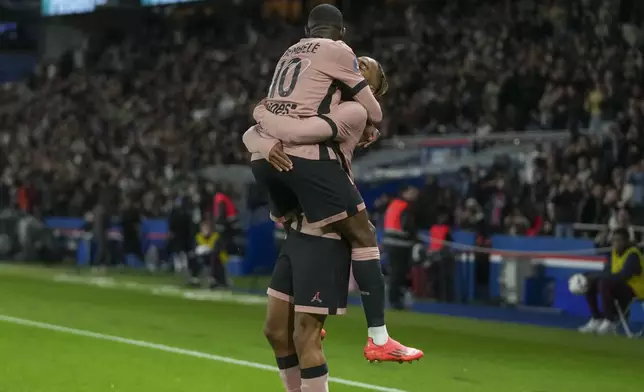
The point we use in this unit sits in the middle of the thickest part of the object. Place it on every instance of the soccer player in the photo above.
(304, 84)
(311, 275)
(310, 281)
(351, 119)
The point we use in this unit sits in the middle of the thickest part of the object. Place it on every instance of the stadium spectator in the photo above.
(470, 216)
(131, 228)
(516, 223)
(565, 199)
(593, 209)
(635, 191)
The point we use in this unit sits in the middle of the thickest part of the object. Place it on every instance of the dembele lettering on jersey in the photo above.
(307, 48)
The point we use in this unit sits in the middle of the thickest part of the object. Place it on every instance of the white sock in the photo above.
(379, 335)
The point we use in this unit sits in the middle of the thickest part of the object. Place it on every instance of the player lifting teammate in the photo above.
(311, 262)
(305, 83)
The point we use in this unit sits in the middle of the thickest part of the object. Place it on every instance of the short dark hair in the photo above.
(325, 15)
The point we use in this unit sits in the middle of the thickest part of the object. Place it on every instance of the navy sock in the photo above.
(371, 283)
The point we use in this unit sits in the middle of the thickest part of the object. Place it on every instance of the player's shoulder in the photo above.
(341, 47)
(330, 45)
(342, 53)
(310, 47)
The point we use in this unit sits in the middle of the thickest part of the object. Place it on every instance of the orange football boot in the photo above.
(323, 334)
(392, 351)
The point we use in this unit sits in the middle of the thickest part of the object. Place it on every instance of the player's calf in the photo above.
(278, 329)
(306, 336)
(371, 283)
(365, 261)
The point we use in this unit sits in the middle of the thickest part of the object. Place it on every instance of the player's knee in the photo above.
(277, 332)
(277, 336)
(306, 332)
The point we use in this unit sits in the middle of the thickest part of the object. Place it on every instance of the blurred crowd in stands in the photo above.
(136, 116)
(574, 191)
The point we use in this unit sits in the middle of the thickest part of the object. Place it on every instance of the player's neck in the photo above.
(326, 34)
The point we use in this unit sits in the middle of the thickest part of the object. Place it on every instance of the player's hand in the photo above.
(369, 136)
(278, 158)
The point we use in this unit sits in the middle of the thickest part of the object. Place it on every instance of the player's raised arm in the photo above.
(345, 70)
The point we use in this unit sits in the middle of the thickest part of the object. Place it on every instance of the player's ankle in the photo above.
(378, 335)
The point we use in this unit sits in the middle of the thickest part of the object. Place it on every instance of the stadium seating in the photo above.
(143, 113)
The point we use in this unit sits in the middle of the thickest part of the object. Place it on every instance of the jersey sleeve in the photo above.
(342, 66)
(350, 119)
(346, 72)
(366, 98)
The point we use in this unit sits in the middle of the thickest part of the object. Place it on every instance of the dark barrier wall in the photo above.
(560, 258)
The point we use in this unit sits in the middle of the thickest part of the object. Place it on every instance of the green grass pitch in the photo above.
(65, 332)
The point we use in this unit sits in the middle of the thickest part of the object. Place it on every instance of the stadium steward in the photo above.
(621, 282)
(399, 238)
(210, 252)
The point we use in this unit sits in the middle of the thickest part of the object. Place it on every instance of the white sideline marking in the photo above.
(176, 350)
(166, 290)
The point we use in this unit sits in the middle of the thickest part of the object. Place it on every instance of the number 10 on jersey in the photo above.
(285, 87)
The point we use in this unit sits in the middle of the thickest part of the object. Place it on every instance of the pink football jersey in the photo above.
(309, 73)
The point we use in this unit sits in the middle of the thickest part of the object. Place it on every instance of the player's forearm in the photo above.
(258, 143)
(292, 130)
(374, 112)
(251, 140)
(311, 133)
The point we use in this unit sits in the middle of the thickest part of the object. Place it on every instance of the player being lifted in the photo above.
(307, 83)
(312, 261)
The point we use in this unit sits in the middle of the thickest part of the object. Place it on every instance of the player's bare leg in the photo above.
(278, 329)
(365, 261)
(308, 344)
